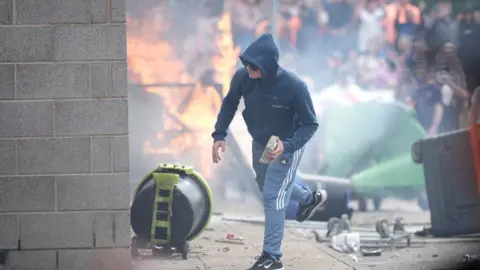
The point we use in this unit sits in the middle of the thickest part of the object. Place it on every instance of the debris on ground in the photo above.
(470, 261)
(353, 257)
(371, 252)
(232, 236)
(423, 232)
(230, 241)
(382, 228)
(381, 237)
(468, 258)
(346, 242)
(306, 233)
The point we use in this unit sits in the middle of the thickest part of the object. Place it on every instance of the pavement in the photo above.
(301, 251)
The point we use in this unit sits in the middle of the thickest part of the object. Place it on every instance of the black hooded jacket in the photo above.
(277, 104)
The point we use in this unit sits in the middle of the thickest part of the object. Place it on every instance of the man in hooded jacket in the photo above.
(277, 103)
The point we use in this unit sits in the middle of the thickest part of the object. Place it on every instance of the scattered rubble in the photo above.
(231, 238)
(371, 252)
(227, 241)
(353, 258)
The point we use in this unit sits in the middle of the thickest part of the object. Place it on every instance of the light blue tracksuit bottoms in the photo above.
(276, 183)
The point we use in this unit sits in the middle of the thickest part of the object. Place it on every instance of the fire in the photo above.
(225, 62)
(189, 112)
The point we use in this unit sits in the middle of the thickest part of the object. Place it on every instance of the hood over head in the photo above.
(264, 54)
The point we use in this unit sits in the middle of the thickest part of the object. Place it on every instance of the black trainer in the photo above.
(266, 262)
(305, 212)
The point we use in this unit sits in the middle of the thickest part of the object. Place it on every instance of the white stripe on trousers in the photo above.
(280, 204)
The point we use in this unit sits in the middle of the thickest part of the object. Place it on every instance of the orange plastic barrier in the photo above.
(475, 142)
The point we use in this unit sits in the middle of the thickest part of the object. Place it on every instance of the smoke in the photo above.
(182, 25)
(146, 110)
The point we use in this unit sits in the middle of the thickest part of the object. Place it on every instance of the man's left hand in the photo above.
(277, 152)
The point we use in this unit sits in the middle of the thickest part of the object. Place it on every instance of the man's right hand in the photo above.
(216, 146)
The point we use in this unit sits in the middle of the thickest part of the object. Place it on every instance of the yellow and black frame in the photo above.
(172, 205)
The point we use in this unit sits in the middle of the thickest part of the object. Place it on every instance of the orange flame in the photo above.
(186, 129)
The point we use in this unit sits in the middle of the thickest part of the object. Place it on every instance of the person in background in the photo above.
(401, 17)
(444, 28)
(287, 27)
(399, 57)
(308, 41)
(474, 112)
(294, 25)
(452, 78)
(308, 31)
(403, 89)
(370, 15)
(465, 21)
(343, 92)
(417, 61)
(469, 54)
(287, 35)
(369, 64)
(427, 102)
(405, 66)
(246, 14)
(340, 14)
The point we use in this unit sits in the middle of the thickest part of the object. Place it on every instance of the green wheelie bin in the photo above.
(370, 143)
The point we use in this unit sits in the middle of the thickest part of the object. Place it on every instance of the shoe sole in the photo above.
(321, 203)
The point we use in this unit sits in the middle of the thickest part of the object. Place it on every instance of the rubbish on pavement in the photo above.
(318, 238)
(371, 252)
(384, 235)
(389, 239)
(260, 220)
(394, 241)
(346, 242)
(228, 241)
(470, 261)
(334, 227)
(232, 236)
(346, 226)
(399, 225)
(337, 226)
(382, 228)
(353, 257)
(423, 232)
(467, 258)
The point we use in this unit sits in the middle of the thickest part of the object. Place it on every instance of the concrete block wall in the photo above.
(64, 166)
